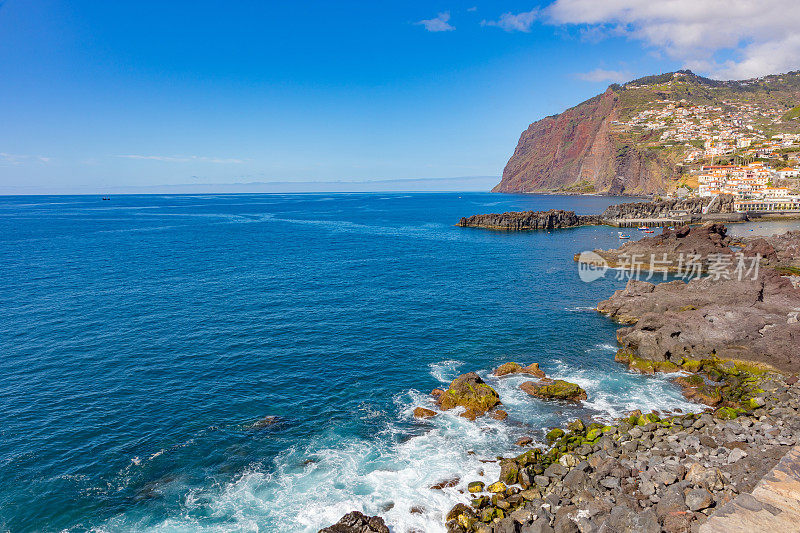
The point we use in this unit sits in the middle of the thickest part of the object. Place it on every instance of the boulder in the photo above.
(554, 390)
(515, 368)
(357, 522)
(471, 392)
(421, 412)
(498, 414)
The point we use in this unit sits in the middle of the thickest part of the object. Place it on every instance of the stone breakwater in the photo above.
(669, 211)
(529, 220)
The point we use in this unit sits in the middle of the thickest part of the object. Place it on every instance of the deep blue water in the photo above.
(141, 338)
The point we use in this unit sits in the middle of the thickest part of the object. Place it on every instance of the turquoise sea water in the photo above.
(142, 337)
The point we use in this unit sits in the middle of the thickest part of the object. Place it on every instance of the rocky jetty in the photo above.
(666, 208)
(642, 473)
(356, 522)
(529, 220)
(689, 210)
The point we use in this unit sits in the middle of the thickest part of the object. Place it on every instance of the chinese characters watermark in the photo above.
(685, 266)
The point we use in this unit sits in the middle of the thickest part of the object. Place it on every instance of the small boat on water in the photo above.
(642, 227)
(671, 227)
(623, 236)
(649, 231)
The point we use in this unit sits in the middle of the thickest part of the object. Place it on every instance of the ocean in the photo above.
(143, 337)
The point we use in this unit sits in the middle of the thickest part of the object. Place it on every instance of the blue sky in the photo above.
(106, 94)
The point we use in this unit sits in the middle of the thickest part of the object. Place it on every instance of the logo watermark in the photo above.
(717, 266)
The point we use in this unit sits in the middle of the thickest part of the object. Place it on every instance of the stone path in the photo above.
(774, 505)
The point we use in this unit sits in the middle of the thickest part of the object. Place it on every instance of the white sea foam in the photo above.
(614, 394)
(392, 473)
(387, 476)
(445, 371)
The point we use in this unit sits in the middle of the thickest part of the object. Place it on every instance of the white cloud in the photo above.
(599, 74)
(438, 24)
(183, 159)
(761, 36)
(511, 22)
(18, 159)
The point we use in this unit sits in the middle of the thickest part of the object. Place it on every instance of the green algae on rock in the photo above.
(554, 390)
(471, 392)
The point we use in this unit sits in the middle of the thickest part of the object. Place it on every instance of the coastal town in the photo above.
(755, 187)
(749, 149)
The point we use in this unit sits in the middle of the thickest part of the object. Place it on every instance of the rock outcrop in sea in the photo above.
(529, 220)
(470, 392)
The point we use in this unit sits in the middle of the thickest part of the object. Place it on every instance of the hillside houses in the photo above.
(751, 185)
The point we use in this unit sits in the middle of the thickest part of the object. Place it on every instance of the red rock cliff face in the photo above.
(577, 151)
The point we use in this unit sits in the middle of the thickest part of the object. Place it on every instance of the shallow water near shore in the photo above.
(143, 336)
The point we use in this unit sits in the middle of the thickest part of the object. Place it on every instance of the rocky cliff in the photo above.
(576, 152)
(603, 145)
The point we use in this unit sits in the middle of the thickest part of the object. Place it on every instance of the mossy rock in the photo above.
(471, 392)
(475, 486)
(726, 413)
(576, 426)
(554, 434)
(508, 368)
(529, 457)
(594, 434)
(491, 513)
(690, 381)
(479, 503)
(496, 487)
(509, 470)
(752, 368)
(459, 509)
(691, 365)
(556, 390)
(623, 356)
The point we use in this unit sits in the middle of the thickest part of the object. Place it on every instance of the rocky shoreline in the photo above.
(733, 346)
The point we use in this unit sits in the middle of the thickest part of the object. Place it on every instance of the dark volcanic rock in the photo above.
(672, 250)
(356, 522)
(664, 208)
(749, 319)
(529, 220)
